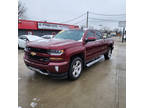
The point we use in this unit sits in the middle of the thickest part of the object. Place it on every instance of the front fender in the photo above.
(73, 51)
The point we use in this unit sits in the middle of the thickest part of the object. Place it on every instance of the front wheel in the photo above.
(75, 69)
(108, 54)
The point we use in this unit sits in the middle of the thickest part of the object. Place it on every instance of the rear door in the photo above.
(90, 47)
(100, 45)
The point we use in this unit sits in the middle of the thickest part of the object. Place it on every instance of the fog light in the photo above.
(57, 68)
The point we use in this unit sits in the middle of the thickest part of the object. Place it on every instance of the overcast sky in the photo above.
(63, 10)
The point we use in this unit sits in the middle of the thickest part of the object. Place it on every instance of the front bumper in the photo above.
(51, 69)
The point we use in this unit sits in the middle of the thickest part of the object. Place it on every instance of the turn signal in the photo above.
(55, 59)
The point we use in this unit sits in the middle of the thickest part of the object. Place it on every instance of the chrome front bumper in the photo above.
(37, 70)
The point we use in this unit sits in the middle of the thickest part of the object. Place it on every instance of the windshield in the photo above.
(70, 34)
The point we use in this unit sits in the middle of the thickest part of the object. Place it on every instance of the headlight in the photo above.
(56, 52)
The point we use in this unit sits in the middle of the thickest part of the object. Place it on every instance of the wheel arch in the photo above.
(81, 55)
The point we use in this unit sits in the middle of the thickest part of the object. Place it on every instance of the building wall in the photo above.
(40, 28)
(36, 32)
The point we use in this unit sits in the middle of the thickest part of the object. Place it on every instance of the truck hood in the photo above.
(54, 43)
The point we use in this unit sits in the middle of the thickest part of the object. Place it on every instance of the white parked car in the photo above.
(48, 36)
(23, 39)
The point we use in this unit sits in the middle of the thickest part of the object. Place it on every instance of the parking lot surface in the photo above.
(100, 86)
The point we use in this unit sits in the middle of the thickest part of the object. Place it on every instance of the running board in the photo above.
(94, 61)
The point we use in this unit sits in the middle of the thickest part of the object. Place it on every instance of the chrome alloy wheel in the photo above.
(77, 67)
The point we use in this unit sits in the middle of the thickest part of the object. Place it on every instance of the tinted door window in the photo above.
(98, 35)
(90, 34)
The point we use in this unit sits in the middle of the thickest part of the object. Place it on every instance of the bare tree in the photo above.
(21, 10)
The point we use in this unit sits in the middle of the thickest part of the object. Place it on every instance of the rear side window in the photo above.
(90, 34)
(98, 35)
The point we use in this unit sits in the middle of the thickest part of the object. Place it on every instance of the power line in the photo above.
(74, 18)
(79, 21)
(93, 19)
(107, 14)
(105, 19)
(100, 22)
(97, 21)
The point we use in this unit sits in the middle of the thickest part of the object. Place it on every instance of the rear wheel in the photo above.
(75, 69)
(108, 54)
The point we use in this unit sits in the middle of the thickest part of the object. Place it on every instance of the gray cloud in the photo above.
(62, 10)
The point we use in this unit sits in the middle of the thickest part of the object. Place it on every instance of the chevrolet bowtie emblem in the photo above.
(33, 53)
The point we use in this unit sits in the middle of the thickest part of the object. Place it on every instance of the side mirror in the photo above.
(90, 39)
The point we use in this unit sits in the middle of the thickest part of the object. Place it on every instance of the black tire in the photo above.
(74, 73)
(108, 54)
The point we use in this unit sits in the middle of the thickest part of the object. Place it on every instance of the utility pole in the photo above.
(87, 19)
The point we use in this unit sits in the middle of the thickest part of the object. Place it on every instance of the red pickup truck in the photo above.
(66, 55)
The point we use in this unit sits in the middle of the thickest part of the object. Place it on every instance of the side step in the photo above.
(94, 61)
